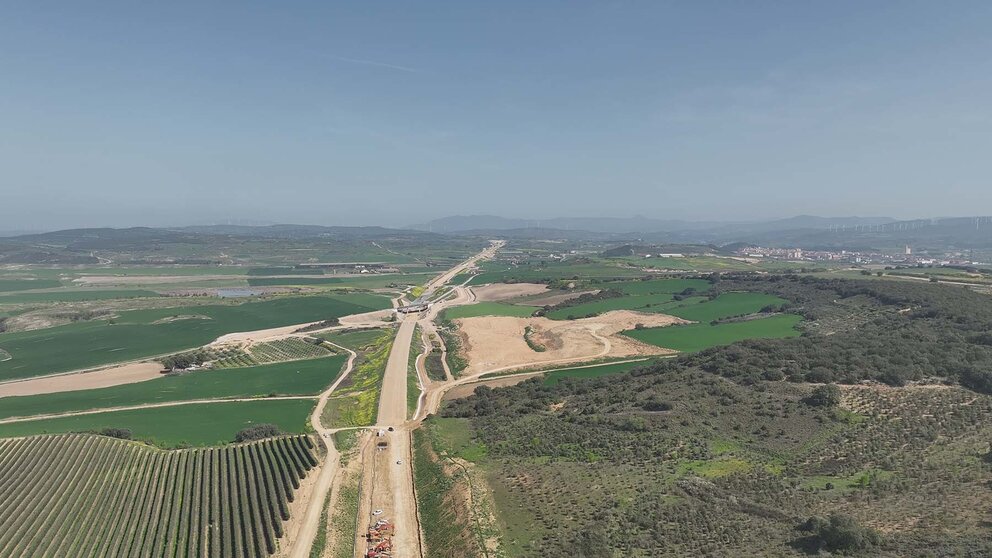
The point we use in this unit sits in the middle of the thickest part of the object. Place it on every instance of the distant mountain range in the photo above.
(639, 224)
(77, 246)
(804, 231)
(465, 223)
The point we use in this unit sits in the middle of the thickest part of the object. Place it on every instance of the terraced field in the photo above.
(87, 495)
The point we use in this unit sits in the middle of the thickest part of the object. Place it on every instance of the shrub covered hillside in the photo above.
(752, 449)
(668, 462)
(889, 331)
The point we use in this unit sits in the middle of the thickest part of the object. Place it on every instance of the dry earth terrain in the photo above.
(108, 377)
(497, 343)
(506, 291)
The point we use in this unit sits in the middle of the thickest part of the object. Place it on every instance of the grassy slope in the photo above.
(552, 378)
(355, 339)
(365, 282)
(656, 286)
(654, 295)
(443, 518)
(356, 402)
(496, 273)
(75, 296)
(197, 425)
(725, 306)
(8, 285)
(696, 337)
(304, 377)
(488, 309)
(737, 479)
(143, 333)
(642, 303)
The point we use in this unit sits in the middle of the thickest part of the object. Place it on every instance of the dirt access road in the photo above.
(390, 470)
(298, 544)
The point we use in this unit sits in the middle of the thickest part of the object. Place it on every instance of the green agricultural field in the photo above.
(488, 309)
(85, 495)
(497, 273)
(304, 377)
(147, 270)
(655, 286)
(284, 270)
(9, 285)
(696, 337)
(725, 306)
(641, 303)
(74, 296)
(655, 295)
(555, 376)
(144, 333)
(198, 424)
(364, 282)
(355, 339)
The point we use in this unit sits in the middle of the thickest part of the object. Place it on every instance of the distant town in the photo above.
(857, 257)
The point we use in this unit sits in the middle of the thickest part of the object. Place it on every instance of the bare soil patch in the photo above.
(256, 336)
(506, 291)
(375, 318)
(181, 317)
(118, 375)
(298, 511)
(497, 343)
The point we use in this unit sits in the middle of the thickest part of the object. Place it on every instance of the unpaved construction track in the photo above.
(388, 462)
(299, 546)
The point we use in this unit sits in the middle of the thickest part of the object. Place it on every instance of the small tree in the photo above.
(122, 433)
(839, 533)
(257, 432)
(824, 396)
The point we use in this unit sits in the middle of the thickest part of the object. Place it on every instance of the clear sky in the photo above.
(131, 113)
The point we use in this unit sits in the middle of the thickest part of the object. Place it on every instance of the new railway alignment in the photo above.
(394, 483)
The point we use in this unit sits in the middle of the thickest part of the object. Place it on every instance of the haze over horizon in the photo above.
(117, 114)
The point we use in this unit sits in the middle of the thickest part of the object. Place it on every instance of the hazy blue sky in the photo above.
(125, 113)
